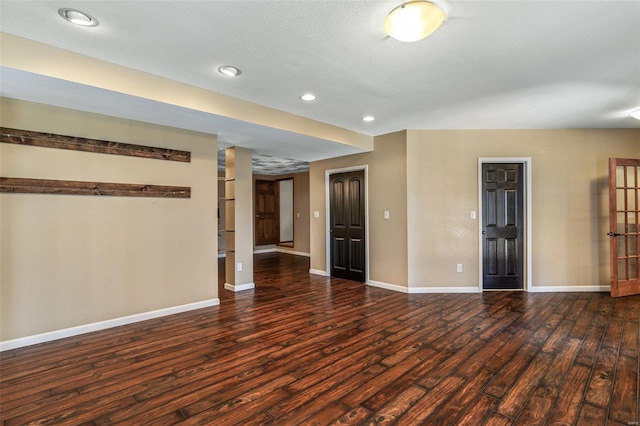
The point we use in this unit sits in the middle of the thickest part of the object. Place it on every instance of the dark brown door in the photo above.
(502, 227)
(266, 210)
(624, 230)
(347, 222)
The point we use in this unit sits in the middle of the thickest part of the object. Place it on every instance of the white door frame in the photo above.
(528, 217)
(327, 238)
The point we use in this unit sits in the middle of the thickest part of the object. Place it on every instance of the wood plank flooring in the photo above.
(306, 350)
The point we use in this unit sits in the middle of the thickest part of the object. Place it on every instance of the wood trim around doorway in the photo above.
(528, 219)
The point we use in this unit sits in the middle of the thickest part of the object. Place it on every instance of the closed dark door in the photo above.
(502, 227)
(624, 225)
(266, 210)
(347, 225)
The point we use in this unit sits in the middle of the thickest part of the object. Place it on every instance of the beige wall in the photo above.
(387, 190)
(301, 220)
(73, 260)
(300, 206)
(569, 205)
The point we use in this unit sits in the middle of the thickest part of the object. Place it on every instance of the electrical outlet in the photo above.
(239, 267)
(459, 267)
(386, 214)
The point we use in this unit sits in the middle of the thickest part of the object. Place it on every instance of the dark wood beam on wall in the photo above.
(49, 140)
(69, 187)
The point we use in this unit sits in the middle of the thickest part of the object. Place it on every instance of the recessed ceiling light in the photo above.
(77, 17)
(229, 71)
(635, 113)
(308, 97)
(414, 20)
(368, 118)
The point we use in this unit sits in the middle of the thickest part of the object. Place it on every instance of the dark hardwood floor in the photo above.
(303, 349)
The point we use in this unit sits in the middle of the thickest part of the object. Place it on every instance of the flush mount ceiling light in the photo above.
(77, 17)
(413, 21)
(368, 118)
(229, 71)
(308, 97)
(635, 113)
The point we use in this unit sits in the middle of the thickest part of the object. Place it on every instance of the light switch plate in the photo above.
(386, 214)
(316, 213)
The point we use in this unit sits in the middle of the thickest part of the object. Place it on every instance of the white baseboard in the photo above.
(102, 325)
(289, 251)
(236, 288)
(266, 250)
(387, 286)
(274, 250)
(318, 272)
(281, 250)
(535, 289)
(417, 290)
(570, 289)
(422, 290)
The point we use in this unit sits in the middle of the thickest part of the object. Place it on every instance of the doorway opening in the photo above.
(504, 226)
(285, 212)
(266, 212)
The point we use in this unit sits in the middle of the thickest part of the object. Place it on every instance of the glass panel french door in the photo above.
(624, 229)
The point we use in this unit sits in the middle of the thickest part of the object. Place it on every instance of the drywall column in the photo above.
(239, 220)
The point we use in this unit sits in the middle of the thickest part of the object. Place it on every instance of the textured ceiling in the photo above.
(493, 64)
(268, 165)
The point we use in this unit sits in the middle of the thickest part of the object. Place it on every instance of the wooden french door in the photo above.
(347, 225)
(624, 229)
(266, 211)
(503, 226)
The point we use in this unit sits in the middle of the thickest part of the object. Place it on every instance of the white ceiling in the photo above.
(493, 65)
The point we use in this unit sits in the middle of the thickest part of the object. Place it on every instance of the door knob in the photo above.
(613, 234)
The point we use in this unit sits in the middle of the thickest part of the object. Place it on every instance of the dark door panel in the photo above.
(266, 210)
(503, 224)
(347, 219)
